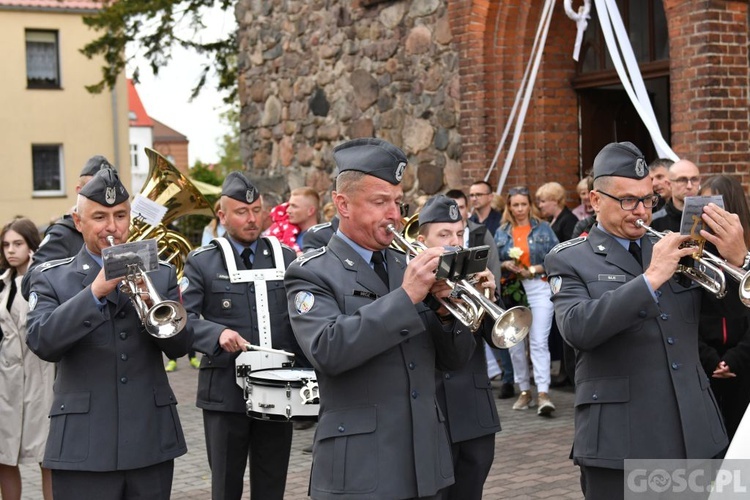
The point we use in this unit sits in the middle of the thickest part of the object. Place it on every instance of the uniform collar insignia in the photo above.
(85, 267)
(348, 262)
(265, 252)
(601, 248)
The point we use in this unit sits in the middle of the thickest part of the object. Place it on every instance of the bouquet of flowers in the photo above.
(512, 290)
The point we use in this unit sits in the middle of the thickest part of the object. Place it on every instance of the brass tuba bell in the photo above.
(168, 187)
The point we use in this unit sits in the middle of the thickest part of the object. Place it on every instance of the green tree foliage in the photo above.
(207, 173)
(229, 144)
(152, 25)
(229, 161)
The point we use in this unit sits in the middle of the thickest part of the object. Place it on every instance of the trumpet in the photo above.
(165, 318)
(510, 326)
(711, 270)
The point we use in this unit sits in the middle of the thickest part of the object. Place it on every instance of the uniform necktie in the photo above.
(377, 262)
(635, 251)
(246, 253)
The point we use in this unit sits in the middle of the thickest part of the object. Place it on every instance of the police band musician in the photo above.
(233, 291)
(464, 395)
(357, 310)
(114, 428)
(641, 391)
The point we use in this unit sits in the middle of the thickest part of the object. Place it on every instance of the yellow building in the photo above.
(51, 124)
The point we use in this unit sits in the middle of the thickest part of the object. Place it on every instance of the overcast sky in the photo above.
(166, 97)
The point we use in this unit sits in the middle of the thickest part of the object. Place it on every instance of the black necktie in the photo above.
(246, 253)
(377, 261)
(635, 251)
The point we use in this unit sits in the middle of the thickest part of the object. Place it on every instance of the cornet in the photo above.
(510, 326)
(166, 318)
(710, 271)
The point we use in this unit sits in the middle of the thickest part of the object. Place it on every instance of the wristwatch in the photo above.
(532, 270)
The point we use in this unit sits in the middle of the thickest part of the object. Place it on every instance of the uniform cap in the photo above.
(439, 208)
(620, 159)
(94, 164)
(237, 186)
(372, 156)
(105, 188)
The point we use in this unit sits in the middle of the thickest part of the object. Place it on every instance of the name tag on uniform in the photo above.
(364, 293)
(620, 278)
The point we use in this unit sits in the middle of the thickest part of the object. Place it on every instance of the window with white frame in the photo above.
(42, 60)
(134, 156)
(47, 169)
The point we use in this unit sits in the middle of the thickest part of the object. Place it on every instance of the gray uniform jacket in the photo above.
(319, 235)
(214, 304)
(380, 433)
(465, 395)
(113, 408)
(640, 389)
(61, 240)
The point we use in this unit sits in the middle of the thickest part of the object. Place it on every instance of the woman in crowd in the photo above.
(583, 189)
(550, 198)
(724, 342)
(214, 229)
(25, 380)
(521, 228)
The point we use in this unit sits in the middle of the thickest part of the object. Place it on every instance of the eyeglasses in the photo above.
(518, 190)
(631, 202)
(685, 180)
(477, 195)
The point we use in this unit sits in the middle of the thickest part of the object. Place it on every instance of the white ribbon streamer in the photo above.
(536, 57)
(516, 102)
(581, 19)
(609, 17)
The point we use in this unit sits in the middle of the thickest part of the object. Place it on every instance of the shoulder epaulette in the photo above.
(165, 263)
(54, 263)
(567, 244)
(202, 249)
(309, 255)
(318, 227)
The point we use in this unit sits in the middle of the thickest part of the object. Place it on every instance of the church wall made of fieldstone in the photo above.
(314, 73)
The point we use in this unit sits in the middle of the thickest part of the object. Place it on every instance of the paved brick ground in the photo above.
(531, 454)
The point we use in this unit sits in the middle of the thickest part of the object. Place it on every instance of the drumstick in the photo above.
(251, 347)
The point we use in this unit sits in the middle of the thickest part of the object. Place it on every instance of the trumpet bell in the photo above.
(165, 319)
(511, 327)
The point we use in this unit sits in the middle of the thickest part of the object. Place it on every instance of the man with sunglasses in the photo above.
(640, 389)
(684, 180)
(480, 195)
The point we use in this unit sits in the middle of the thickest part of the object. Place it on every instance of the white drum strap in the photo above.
(258, 277)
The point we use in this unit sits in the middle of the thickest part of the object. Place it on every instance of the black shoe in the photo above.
(301, 425)
(507, 391)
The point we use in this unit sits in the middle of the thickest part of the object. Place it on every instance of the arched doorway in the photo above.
(606, 113)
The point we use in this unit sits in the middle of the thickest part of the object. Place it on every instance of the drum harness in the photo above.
(259, 277)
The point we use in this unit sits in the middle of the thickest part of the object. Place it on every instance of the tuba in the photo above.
(168, 187)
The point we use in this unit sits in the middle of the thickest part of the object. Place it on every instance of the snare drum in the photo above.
(282, 394)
